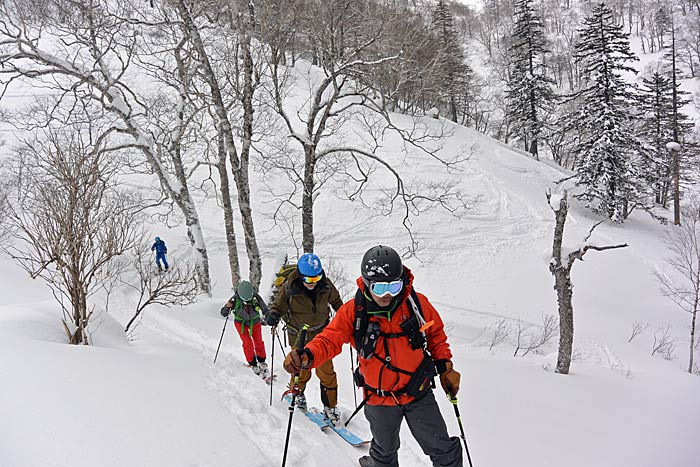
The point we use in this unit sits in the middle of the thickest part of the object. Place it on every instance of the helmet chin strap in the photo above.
(376, 308)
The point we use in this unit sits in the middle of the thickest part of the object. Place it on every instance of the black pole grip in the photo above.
(302, 338)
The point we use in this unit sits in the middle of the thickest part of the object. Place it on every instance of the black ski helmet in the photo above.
(381, 264)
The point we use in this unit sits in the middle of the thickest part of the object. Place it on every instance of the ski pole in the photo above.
(362, 404)
(354, 390)
(295, 391)
(273, 331)
(280, 341)
(453, 400)
(222, 337)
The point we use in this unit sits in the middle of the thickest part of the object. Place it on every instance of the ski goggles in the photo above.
(313, 279)
(381, 289)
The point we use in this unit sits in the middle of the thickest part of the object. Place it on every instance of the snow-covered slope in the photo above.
(159, 401)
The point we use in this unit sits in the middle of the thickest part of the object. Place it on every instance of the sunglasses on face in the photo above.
(312, 279)
(380, 289)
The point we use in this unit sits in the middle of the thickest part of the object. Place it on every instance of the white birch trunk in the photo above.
(239, 167)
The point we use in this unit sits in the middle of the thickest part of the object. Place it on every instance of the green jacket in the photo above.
(248, 313)
(296, 308)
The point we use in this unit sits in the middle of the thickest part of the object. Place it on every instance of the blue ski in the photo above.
(322, 423)
(316, 416)
(344, 433)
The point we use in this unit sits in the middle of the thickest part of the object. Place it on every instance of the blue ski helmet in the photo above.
(157, 239)
(309, 265)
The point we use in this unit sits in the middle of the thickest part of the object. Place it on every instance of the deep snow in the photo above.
(158, 400)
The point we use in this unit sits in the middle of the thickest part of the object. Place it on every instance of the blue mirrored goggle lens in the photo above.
(382, 288)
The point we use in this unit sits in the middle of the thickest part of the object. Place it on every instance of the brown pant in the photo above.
(326, 374)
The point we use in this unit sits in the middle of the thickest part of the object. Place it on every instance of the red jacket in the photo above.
(340, 331)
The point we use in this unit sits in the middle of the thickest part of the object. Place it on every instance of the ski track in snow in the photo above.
(233, 381)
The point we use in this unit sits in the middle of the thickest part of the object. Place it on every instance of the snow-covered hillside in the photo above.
(159, 401)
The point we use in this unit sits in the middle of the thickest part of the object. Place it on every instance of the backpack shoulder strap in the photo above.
(361, 318)
(414, 305)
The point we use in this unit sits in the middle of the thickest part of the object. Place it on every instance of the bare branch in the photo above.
(664, 344)
(638, 328)
(175, 287)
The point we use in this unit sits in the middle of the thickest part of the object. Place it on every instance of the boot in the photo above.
(256, 369)
(301, 402)
(264, 370)
(332, 414)
(366, 461)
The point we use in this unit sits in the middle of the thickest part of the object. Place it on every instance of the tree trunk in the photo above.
(307, 204)
(562, 284)
(692, 332)
(242, 180)
(560, 267)
(78, 309)
(676, 188)
(566, 320)
(196, 236)
(676, 155)
(453, 108)
(533, 149)
(239, 168)
(225, 189)
(251, 244)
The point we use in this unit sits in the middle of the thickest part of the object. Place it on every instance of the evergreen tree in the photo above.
(657, 128)
(454, 74)
(530, 92)
(679, 124)
(607, 153)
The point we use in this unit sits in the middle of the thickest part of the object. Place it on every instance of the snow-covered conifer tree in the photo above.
(456, 75)
(530, 94)
(607, 151)
(657, 104)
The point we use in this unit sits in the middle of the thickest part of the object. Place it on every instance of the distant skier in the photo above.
(161, 250)
(247, 307)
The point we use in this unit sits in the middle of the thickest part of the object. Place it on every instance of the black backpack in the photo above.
(422, 380)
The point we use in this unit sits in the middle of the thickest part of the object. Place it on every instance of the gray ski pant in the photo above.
(427, 426)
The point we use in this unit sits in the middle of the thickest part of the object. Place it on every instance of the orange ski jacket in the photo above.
(341, 330)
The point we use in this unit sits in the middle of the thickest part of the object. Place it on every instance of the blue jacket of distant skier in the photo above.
(159, 247)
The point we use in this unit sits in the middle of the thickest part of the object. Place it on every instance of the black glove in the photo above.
(272, 319)
(225, 311)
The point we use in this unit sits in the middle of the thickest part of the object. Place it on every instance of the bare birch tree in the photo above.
(343, 39)
(68, 219)
(4, 214)
(683, 284)
(560, 266)
(182, 117)
(204, 44)
(94, 57)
